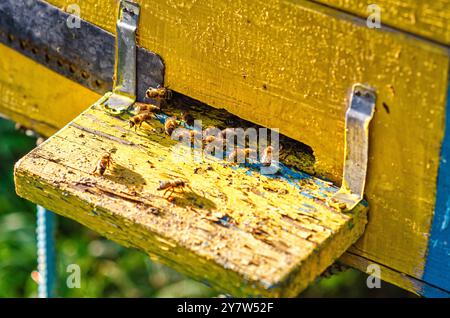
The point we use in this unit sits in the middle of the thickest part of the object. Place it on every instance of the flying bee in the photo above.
(266, 159)
(171, 185)
(146, 108)
(169, 125)
(241, 153)
(136, 121)
(103, 163)
(159, 93)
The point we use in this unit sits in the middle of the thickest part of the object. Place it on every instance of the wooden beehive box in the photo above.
(291, 65)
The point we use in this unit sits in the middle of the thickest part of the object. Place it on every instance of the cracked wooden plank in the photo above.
(242, 232)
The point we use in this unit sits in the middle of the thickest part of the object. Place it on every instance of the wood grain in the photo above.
(430, 19)
(290, 64)
(323, 52)
(417, 286)
(243, 232)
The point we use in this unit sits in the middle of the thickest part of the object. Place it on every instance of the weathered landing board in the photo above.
(243, 232)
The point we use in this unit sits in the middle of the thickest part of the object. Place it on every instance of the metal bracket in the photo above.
(357, 119)
(124, 89)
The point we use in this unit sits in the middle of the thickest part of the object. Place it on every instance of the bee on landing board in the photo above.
(209, 139)
(145, 108)
(195, 135)
(268, 155)
(160, 93)
(227, 133)
(103, 163)
(266, 158)
(189, 136)
(136, 121)
(239, 153)
(214, 145)
(169, 125)
(187, 118)
(171, 185)
(211, 131)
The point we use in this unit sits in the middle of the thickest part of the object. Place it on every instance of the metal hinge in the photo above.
(358, 116)
(124, 89)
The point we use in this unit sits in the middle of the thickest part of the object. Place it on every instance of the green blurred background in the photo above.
(107, 269)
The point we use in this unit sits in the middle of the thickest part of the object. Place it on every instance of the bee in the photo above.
(186, 134)
(211, 131)
(159, 93)
(213, 141)
(266, 158)
(227, 132)
(241, 153)
(214, 145)
(171, 185)
(136, 121)
(187, 118)
(209, 139)
(103, 163)
(194, 134)
(146, 108)
(169, 125)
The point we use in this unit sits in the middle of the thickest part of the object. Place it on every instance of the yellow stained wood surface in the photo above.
(245, 233)
(290, 65)
(37, 97)
(427, 18)
(225, 59)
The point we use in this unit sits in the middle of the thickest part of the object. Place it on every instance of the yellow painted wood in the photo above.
(290, 65)
(278, 238)
(427, 18)
(30, 97)
(401, 184)
(37, 97)
(387, 274)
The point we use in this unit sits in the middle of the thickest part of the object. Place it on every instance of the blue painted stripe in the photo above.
(437, 268)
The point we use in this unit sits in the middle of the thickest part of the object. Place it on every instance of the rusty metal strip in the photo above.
(84, 54)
